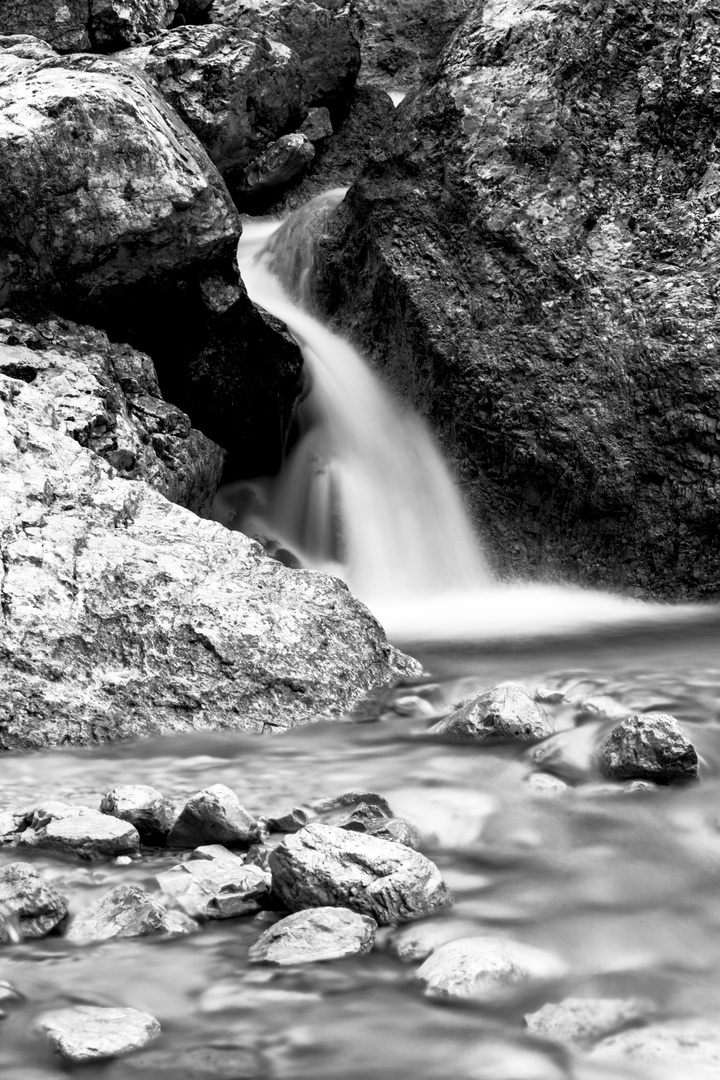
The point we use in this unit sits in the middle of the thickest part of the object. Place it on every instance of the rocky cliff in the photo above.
(532, 257)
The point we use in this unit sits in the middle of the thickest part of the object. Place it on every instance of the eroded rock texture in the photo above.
(78, 25)
(532, 258)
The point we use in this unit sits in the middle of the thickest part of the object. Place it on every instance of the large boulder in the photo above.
(531, 258)
(126, 614)
(77, 25)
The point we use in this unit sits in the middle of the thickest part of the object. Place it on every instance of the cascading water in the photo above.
(364, 492)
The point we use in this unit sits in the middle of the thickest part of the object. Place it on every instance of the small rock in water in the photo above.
(582, 1021)
(215, 889)
(652, 747)
(144, 807)
(397, 830)
(691, 1047)
(126, 911)
(323, 933)
(88, 1033)
(216, 853)
(293, 821)
(224, 1062)
(325, 866)
(284, 159)
(504, 712)
(546, 784)
(24, 895)
(353, 800)
(214, 816)
(418, 940)
(486, 969)
(89, 834)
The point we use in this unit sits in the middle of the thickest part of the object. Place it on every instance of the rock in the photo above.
(64, 24)
(317, 125)
(583, 1021)
(125, 911)
(652, 747)
(205, 1062)
(24, 895)
(418, 940)
(337, 806)
(88, 1033)
(217, 853)
(117, 23)
(324, 933)
(323, 865)
(491, 244)
(486, 969)
(214, 816)
(504, 712)
(90, 835)
(9, 825)
(282, 162)
(211, 632)
(397, 830)
(25, 47)
(545, 784)
(108, 398)
(237, 92)
(144, 807)
(292, 821)
(215, 889)
(691, 1047)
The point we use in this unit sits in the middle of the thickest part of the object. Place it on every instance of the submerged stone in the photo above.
(652, 747)
(214, 816)
(486, 969)
(328, 933)
(583, 1021)
(26, 896)
(504, 712)
(691, 1047)
(88, 1032)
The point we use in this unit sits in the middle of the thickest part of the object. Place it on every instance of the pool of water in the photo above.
(622, 886)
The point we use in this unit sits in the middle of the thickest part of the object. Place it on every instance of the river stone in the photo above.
(542, 783)
(215, 889)
(504, 712)
(486, 969)
(206, 1062)
(292, 821)
(652, 747)
(417, 941)
(214, 816)
(323, 933)
(91, 835)
(88, 1032)
(691, 1047)
(144, 807)
(217, 853)
(583, 1021)
(282, 162)
(125, 911)
(24, 894)
(325, 866)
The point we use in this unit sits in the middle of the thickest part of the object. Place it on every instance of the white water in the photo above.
(365, 494)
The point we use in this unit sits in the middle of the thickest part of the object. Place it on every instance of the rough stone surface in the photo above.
(237, 91)
(692, 1047)
(217, 853)
(144, 807)
(77, 25)
(88, 1032)
(324, 866)
(317, 125)
(530, 258)
(126, 911)
(584, 1021)
(90, 835)
(108, 398)
(215, 889)
(326, 933)
(282, 162)
(486, 969)
(504, 712)
(652, 747)
(125, 614)
(37, 906)
(118, 23)
(214, 816)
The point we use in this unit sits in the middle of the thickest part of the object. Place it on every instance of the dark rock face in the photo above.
(37, 906)
(78, 25)
(649, 748)
(530, 259)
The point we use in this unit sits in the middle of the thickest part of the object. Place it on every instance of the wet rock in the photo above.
(583, 1021)
(88, 1033)
(689, 1046)
(126, 911)
(418, 940)
(352, 801)
(90, 835)
(546, 784)
(323, 865)
(397, 830)
(283, 161)
(217, 853)
(212, 633)
(317, 125)
(214, 816)
(215, 889)
(237, 92)
(24, 894)
(486, 969)
(206, 1062)
(144, 807)
(117, 23)
(64, 24)
(504, 712)
(324, 933)
(652, 747)
(292, 821)
(9, 825)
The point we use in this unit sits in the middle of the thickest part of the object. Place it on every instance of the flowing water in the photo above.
(621, 885)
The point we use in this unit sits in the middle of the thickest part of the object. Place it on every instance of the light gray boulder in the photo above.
(90, 835)
(327, 933)
(214, 816)
(125, 911)
(505, 712)
(215, 889)
(652, 747)
(26, 896)
(144, 807)
(85, 1033)
(583, 1021)
(486, 969)
(325, 866)
(691, 1047)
